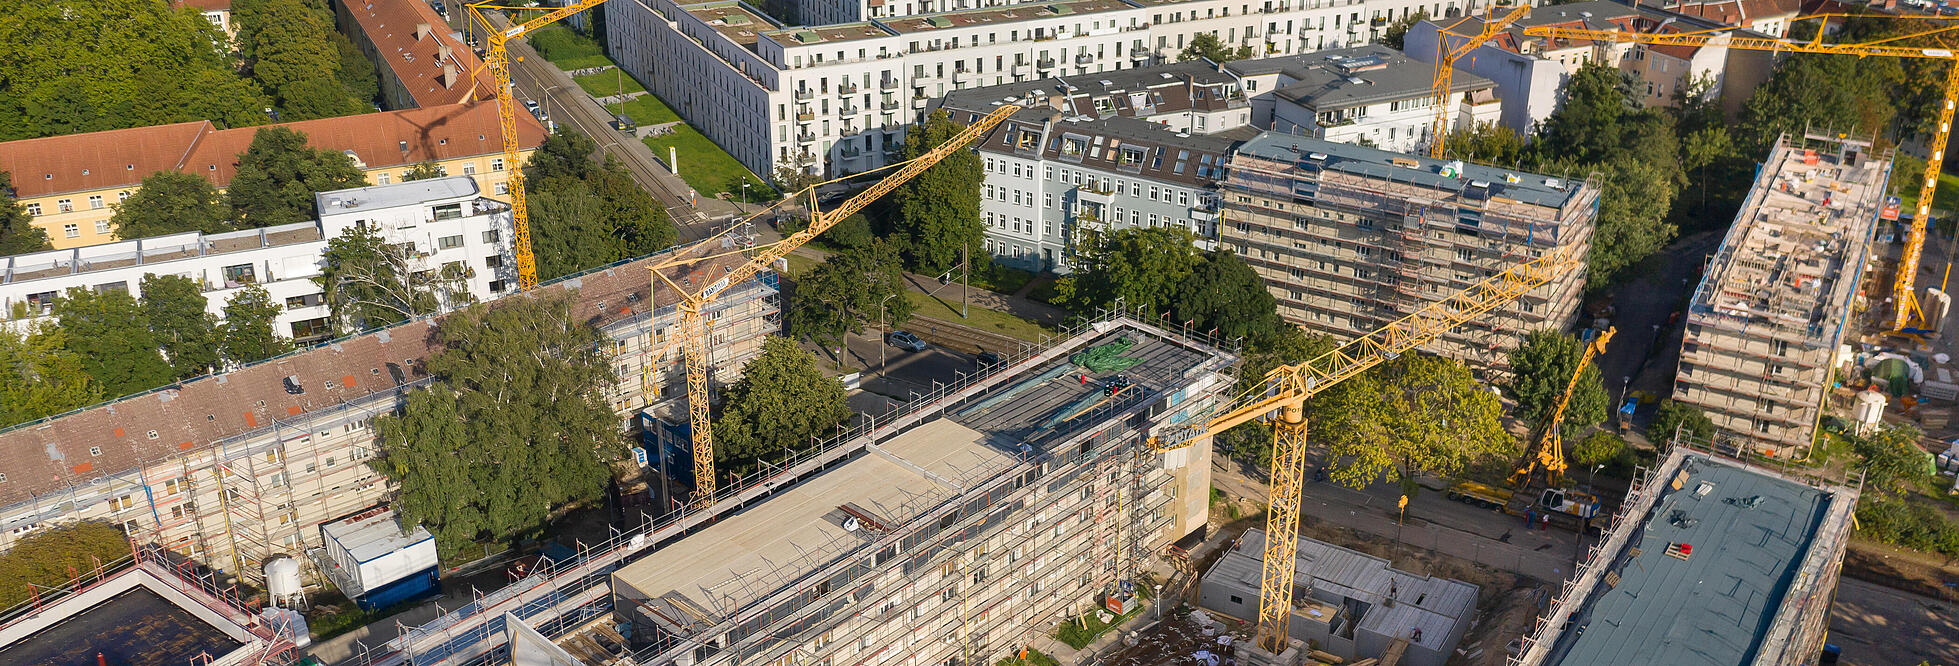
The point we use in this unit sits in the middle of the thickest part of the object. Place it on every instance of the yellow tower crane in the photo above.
(695, 297)
(1549, 451)
(1286, 388)
(1445, 68)
(496, 56)
(1902, 289)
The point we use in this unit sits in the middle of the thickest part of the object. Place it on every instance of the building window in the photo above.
(496, 286)
(503, 188)
(71, 230)
(122, 503)
(122, 196)
(305, 301)
(101, 226)
(496, 164)
(381, 179)
(452, 211)
(65, 205)
(95, 202)
(469, 169)
(449, 242)
(494, 261)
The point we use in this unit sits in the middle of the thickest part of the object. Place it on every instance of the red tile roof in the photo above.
(42, 458)
(415, 43)
(116, 158)
(97, 160)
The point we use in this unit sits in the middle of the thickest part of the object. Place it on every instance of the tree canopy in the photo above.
(1674, 416)
(1144, 267)
(1223, 296)
(1890, 459)
(279, 174)
(107, 331)
(1207, 45)
(250, 333)
(1542, 367)
(586, 214)
(369, 283)
(1416, 413)
(782, 403)
(40, 376)
(174, 308)
(48, 557)
(18, 235)
(495, 445)
(1396, 36)
(938, 212)
(172, 202)
(850, 289)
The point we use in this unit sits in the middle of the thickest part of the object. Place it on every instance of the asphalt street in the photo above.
(903, 371)
(1880, 626)
(1644, 351)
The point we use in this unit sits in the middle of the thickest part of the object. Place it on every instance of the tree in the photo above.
(1488, 143)
(1252, 442)
(494, 445)
(1224, 296)
(356, 71)
(250, 332)
(938, 212)
(422, 171)
(171, 202)
(586, 214)
(116, 346)
(40, 376)
(852, 288)
(1397, 33)
(1416, 413)
(92, 65)
(1542, 368)
(18, 235)
(1818, 90)
(1206, 45)
(1703, 148)
(564, 154)
(782, 403)
(320, 96)
(51, 557)
(1587, 125)
(279, 174)
(1144, 267)
(1674, 416)
(370, 283)
(290, 49)
(174, 308)
(1598, 448)
(792, 180)
(1891, 460)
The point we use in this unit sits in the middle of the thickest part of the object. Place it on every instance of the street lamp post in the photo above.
(883, 346)
(1159, 602)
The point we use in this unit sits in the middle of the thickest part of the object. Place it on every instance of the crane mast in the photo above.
(1285, 390)
(1902, 287)
(1445, 69)
(1549, 451)
(694, 328)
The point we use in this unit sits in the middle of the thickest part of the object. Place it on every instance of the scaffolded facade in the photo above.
(1349, 238)
(1773, 306)
(250, 495)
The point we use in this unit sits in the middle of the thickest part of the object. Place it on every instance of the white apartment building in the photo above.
(446, 220)
(1365, 95)
(1050, 178)
(1193, 96)
(1530, 73)
(835, 98)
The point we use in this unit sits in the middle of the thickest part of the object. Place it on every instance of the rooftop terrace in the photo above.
(827, 34)
(151, 251)
(1791, 259)
(1479, 180)
(733, 20)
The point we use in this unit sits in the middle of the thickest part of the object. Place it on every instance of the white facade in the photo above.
(1367, 95)
(835, 98)
(446, 219)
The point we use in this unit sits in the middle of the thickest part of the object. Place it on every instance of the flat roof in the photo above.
(138, 626)
(150, 251)
(1748, 532)
(1434, 605)
(398, 194)
(1790, 260)
(1342, 78)
(733, 20)
(1529, 187)
(372, 535)
(1004, 14)
(747, 556)
(825, 34)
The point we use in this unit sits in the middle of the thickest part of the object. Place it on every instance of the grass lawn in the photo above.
(606, 84)
(705, 167)
(645, 110)
(986, 320)
(1946, 199)
(799, 264)
(566, 48)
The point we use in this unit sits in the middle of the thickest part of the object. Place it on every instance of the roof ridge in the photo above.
(205, 129)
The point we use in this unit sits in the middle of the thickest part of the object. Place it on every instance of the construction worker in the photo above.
(1530, 518)
(1544, 522)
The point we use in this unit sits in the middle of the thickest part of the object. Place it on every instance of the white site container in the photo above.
(370, 549)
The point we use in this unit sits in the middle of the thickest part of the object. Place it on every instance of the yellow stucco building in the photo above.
(70, 185)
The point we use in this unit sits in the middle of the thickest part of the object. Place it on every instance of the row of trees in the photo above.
(107, 343)
(93, 65)
(274, 184)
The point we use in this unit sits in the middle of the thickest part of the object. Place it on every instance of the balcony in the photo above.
(805, 136)
(846, 88)
(803, 94)
(1095, 196)
(1022, 69)
(849, 109)
(851, 151)
(888, 84)
(1084, 58)
(889, 105)
(961, 76)
(1045, 63)
(892, 125)
(918, 103)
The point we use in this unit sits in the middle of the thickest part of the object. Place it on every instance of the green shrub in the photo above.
(1034, 658)
(46, 558)
(563, 44)
(1909, 525)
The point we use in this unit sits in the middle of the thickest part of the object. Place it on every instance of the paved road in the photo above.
(562, 99)
(1880, 626)
(1644, 352)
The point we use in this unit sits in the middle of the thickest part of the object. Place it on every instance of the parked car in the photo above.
(986, 359)
(905, 341)
(531, 106)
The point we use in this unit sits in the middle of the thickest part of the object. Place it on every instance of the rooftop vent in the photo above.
(1356, 80)
(1554, 183)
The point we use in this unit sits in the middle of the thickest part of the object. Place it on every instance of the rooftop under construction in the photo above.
(1777, 296)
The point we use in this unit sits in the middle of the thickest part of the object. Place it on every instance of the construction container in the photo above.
(379, 563)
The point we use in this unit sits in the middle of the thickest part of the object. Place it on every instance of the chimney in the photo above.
(422, 31)
(448, 74)
(442, 52)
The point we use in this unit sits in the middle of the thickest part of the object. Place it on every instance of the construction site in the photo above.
(1776, 302)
